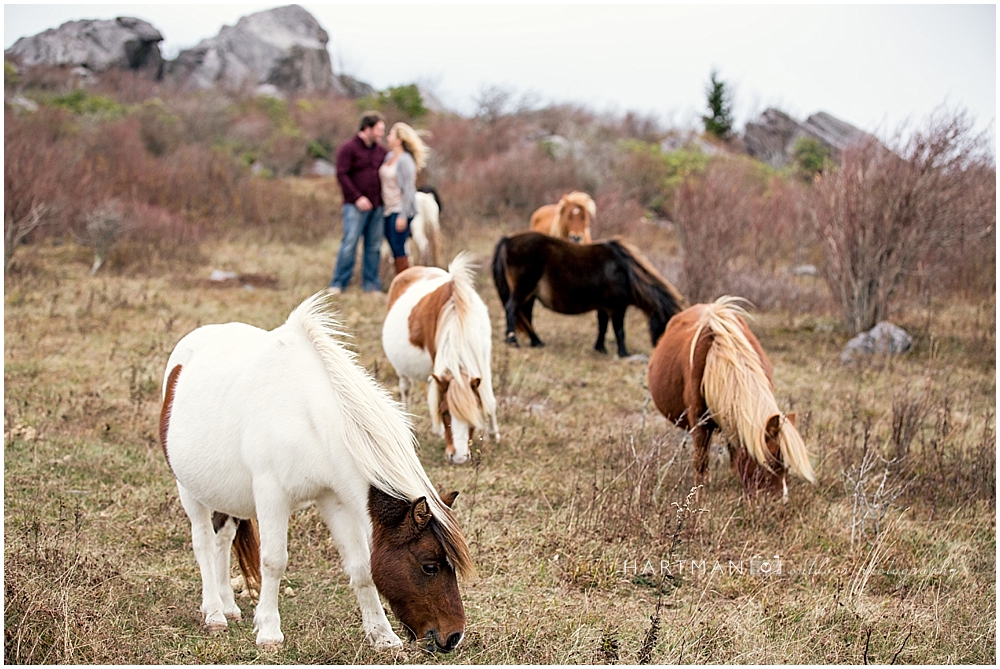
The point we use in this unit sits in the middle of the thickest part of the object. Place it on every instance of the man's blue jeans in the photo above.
(359, 223)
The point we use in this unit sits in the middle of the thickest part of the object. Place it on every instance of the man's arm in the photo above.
(345, 160)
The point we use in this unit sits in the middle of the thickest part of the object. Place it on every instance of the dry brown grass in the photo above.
(99, 569)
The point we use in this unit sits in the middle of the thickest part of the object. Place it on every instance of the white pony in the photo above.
(425, 229)
(425, 232)
(257, 424)
(438, 331)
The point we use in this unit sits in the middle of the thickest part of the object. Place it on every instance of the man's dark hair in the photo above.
(370, 119)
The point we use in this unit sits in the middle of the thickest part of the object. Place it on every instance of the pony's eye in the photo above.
(430, 569)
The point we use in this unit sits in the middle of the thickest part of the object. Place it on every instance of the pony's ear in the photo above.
(420, 514)
(442, 383)
(791, 417)
(449, 499)
(773, 427)
(475, 382)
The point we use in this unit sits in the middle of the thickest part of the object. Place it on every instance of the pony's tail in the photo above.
(247, 547)
(500, 271)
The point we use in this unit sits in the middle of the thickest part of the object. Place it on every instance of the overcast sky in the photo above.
(873, 66)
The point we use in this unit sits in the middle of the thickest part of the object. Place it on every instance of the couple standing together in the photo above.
(379, 188)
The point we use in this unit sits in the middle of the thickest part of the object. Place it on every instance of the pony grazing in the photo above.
(569, 219)
(438, 330)
(709, 372)
(257, 424)
(607, 276)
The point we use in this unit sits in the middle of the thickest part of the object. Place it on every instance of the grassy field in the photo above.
(890, 557)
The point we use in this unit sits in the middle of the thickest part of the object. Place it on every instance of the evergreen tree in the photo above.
(720, 123)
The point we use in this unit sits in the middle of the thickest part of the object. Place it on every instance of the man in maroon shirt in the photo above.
(358, 161)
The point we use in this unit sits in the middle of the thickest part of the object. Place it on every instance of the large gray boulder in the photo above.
(885, 339)
(772, 138)
(284, 48)
(98, 45)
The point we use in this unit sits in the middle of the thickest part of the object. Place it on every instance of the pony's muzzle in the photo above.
(457, 459)
(435, 644)
(576, 238)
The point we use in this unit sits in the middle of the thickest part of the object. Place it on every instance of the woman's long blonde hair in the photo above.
(412, 143)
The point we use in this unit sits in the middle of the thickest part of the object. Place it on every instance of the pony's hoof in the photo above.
(216, 627)
(234, 616)
(269, 646)
(537, 344)
(387, 642)
(512, 341)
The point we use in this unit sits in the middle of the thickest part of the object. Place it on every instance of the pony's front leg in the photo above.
(494, 429)
(602, 329)
(350, 530)
(404, 390)
(701, 437)
(618, 323)
(203, 542)
(272, 520)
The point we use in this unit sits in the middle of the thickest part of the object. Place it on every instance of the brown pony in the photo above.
(569, 219)
(709, 372)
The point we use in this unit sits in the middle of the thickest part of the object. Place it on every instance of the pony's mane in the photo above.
(578, 198)
(459, 348)
(376, 431)
(738, 392)
(652, 292)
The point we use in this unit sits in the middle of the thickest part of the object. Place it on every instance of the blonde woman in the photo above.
(398, 174)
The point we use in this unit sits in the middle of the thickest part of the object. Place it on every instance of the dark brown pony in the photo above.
(607, 276)
(709, 372)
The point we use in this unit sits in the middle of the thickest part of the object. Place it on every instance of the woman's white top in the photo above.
(392, 195)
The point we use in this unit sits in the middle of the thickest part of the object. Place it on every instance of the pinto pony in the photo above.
(709, 372)
(569, 219)
(438, 330)
(607, 276)
(257, 424)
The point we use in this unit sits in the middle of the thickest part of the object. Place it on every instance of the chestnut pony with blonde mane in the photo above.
(709, 372)
(569, 219)
(257, 424)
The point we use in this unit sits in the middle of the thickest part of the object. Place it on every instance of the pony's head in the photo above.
(658, 320)
(412, 569)
(573, 217)
(459, 413)
(772, 478)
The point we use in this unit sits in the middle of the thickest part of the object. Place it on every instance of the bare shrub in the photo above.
(153, 237)
(873, 485)
(616, 215)
(715, 213)
(105, 226)
(39, 169)
(889, 207)
(16, 230)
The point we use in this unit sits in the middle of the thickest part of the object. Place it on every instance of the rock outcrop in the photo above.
(283, 48)
(98, 45)
(772, 138)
